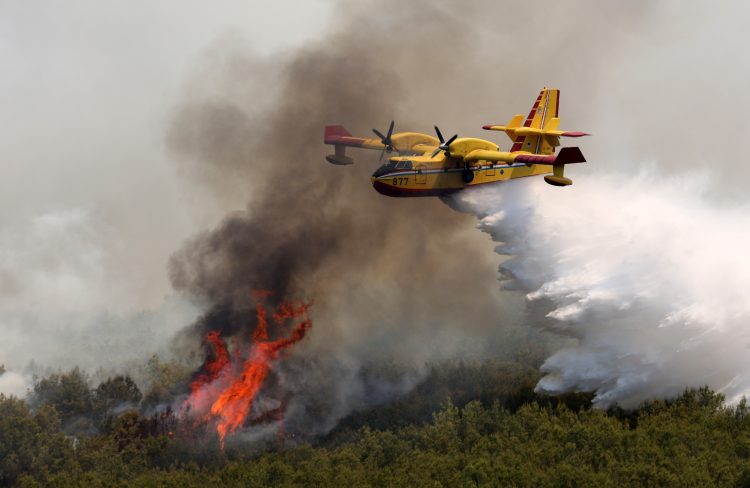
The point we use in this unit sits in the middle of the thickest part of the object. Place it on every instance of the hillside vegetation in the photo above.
(465, 425)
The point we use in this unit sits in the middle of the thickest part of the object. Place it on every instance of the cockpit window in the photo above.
(384, 169)
(392, 166)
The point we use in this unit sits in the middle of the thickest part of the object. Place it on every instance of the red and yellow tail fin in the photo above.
(538, 134)
(544, 110)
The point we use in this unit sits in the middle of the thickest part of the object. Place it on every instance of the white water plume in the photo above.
(650, 277)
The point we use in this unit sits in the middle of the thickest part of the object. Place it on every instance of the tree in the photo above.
(70, 394)
(112, 397)
(31, 444)
(165, 381)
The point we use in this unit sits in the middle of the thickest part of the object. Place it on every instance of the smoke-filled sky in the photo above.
(91, 205)
(127, 130)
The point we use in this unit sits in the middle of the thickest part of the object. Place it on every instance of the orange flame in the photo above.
(213, 367)
(231, 391)
(233, 405)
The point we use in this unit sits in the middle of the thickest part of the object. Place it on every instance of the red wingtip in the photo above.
(334, 132)
(337, 131)
(569, 155)
(487, 127)
(575, 134)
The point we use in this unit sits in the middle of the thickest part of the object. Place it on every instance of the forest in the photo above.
(465, 424)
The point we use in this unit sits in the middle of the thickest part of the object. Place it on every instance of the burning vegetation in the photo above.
(224, 392)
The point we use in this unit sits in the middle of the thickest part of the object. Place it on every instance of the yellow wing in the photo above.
(402, 142)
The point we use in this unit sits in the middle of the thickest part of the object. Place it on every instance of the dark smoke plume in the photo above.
(404, 281)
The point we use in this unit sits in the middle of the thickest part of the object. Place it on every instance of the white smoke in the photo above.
(650, 276)
(60, 301)
(12, 383)
(91, 206)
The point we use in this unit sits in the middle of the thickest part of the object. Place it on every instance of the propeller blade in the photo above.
(381, 136)
(381, 154)
(390, 132)
(444, 145)
(440, 136)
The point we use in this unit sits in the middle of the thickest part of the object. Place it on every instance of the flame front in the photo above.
(213, 367)
(230, 389)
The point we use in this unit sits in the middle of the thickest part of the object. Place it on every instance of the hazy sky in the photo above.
(88, 88)
(92, 204)
(86, 92)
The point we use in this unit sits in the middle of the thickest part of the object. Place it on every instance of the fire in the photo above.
(213, 367)
(225, 391)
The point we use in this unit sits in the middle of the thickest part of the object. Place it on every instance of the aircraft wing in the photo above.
(567, 155)
(402, 142)
(337, 135)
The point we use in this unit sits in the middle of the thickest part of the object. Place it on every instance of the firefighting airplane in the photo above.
(429, 166)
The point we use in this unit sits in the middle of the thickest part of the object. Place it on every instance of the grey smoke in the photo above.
(656, 82)
(91, 206)
(390, 279)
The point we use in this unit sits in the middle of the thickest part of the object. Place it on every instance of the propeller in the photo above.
(385, 140)
(444, 145)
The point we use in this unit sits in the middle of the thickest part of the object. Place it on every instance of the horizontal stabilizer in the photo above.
(531, 131)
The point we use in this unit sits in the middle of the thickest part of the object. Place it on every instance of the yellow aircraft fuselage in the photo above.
(421, 175)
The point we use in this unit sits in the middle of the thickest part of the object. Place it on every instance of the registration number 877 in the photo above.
(400, 181)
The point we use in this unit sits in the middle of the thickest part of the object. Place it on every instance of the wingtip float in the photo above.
(430, 166)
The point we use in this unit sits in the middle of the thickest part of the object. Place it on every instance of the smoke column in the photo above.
(390, 279)
(650, 278)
